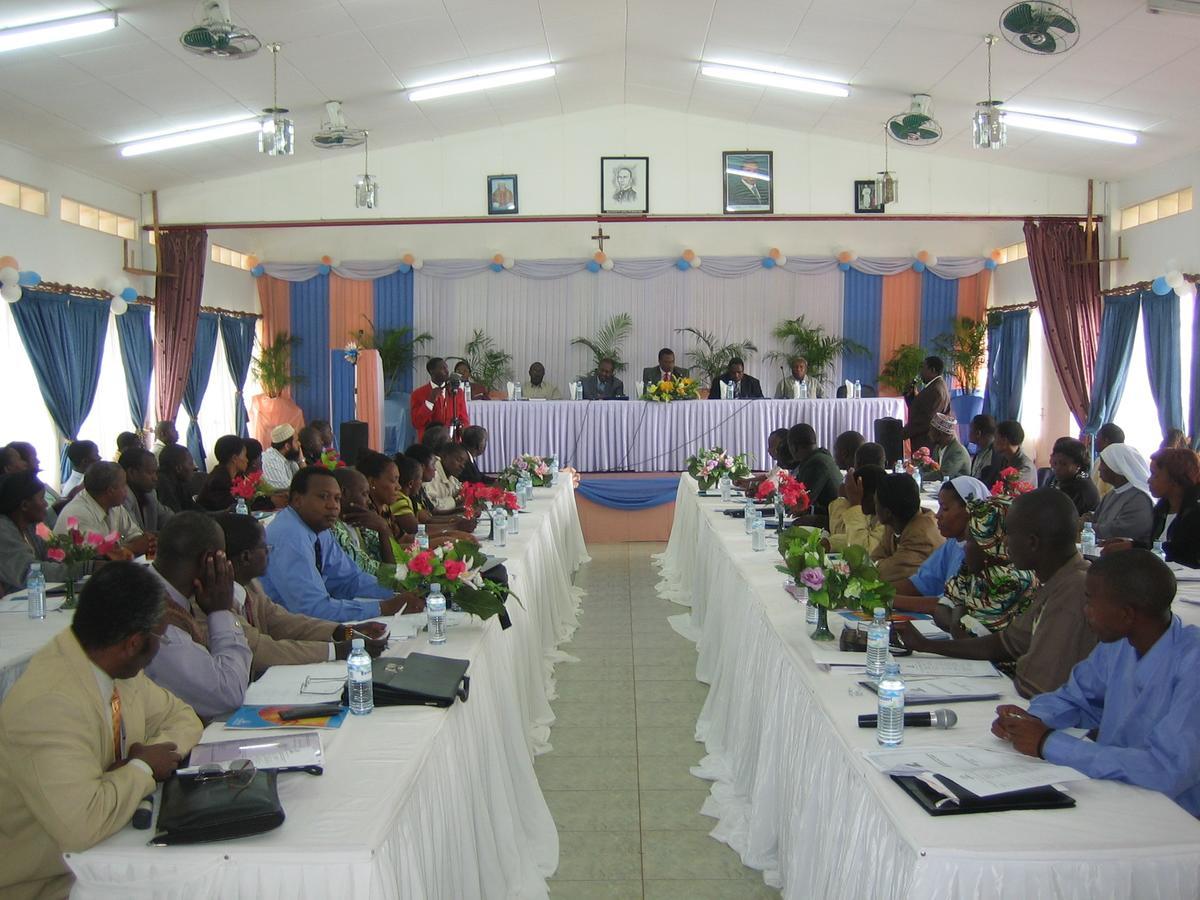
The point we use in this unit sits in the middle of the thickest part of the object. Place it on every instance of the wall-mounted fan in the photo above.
(917, 127)
(335, 134)
(1040, 27)
(217, 36)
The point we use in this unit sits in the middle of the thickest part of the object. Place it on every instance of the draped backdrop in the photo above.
(182, 254)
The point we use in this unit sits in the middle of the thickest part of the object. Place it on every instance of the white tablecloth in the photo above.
(21, 636)
(638, 436)
(415, 803)
(794, 798)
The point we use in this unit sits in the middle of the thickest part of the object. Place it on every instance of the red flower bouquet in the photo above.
(795, 495)
(246, 486)
(1010, 484)
(475, 496)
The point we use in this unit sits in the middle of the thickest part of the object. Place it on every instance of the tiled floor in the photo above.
(617, 782)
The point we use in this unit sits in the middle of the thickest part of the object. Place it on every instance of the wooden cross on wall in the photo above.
(600, 237)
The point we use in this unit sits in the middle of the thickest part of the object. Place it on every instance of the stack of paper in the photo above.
(923, 691)
(981, 771)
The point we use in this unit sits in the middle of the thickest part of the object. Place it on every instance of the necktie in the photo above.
(317, 554)
(118, 751)
(247, 610)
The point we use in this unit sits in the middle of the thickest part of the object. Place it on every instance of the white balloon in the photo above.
(1175, 279)
(607, 265)
(695, 263)
(933, 260)
(119, 306)
(11, 292)
(418, 263)
(9, 275)
(508, 262)
(782, 261)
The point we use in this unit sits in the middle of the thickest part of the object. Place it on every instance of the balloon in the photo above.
(119, 306)
(408, 259)
(129, 294)
(768, 263)
(989, 264)
(509, 262)
(258, 271)
(404, 269)
(9, 275)
(32, 278)
(251, 261)
(695, 262)
(933, 260)
(1174, 279)
(846, 256)
(607, 264)
(1160, 286)
(599, 256)
(781, 260)
(844, 266)
(682, 264)
(593, 266)
(498, 258)
(689, 255)
(8, 262)
(328, 260)
(323, 269)
(496, 267)
(774, 253)
(11, 292)
(923, 256)
(995, 255)
(418, 263)
(918, 266)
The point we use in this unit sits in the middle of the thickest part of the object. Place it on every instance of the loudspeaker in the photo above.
(889, 434)
(353, 439)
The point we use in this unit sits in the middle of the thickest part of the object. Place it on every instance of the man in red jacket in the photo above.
(439, 401)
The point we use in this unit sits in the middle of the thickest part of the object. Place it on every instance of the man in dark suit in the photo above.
(474, 441)
(815, 468)
(666, 370)
(603, 384)
(741, 385)
(923, 405)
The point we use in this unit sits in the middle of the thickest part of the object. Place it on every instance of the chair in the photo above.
(841, 392)
(889, 434)
(1043, 475)
(868, 390)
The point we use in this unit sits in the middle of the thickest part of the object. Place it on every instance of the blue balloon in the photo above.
(258, 271)
(404, 269)
(845, 267)
(29, 278)
(593, 266)
(496, 267)
(989, 264)
(129, 294)
(1160, 286)
(768, 263)
(323, 269)
(682, 264)
(918, 266)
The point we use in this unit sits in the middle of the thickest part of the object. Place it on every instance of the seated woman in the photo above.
(1126, 511)
(910, 532)
(1069, 462)
(1175, 481)
(232, 460)
(859, 523)
(424, 508)
(988, 592)
(362, 532)
(478, 392)
(391, 487)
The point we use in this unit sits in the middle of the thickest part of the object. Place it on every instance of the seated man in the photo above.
(324, 433)
(474, 441)
(127, 440)
(949, 453)
(165, 435)
(738, 385)
(870, 454)
(1109, 433)
(141, 475)
(798, 384)
(603, 384)
(475, 389)
(100, 508)
(210, 673)
(281, 461)
(1009, 437)
(84, 734)
(82, 455)
(308, 572)
(814, 467)
(1136, 692)
(1051, 635)
(860, 525)
(444, 490)
(176, 474)
(983, 434)
(922, 591)
(666, 370)
(910, 533)
(777, 450)
(233, 461)
(537, 388)
(311, 446)
(276, 636)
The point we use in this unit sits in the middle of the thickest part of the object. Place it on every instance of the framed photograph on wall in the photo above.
(748, 181)
(624, 184)
(502, 195)
(865, 200)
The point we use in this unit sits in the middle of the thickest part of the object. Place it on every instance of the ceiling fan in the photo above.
(217, 36)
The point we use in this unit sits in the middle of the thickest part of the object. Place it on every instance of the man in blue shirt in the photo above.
(308, 572)
(1136, 692)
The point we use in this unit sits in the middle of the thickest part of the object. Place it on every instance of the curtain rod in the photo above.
(1012, 307)
(1138, 286)
(89, 293)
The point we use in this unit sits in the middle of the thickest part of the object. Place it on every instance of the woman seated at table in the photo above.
(1126, 511)
(362, 532)
(910, 533)
(424, 507)
(232, 460)
(1175, 480)
(391, 487)
(478, 392)
(858, 523)
(1069, 461)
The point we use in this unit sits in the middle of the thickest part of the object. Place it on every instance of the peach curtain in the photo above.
(369, 372)
(275, 303)
(351, 307)
(900, 315)
(973, 295)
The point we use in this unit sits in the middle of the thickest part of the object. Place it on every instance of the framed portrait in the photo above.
(624, 184)
(865, 200)
(502, 195)
(749, 181)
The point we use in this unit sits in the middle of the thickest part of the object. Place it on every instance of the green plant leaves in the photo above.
(711, 358)
(608, 341)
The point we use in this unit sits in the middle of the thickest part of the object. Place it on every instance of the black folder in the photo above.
(420, 680)
(1033, 798)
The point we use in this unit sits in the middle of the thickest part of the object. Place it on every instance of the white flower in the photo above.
(401, 571)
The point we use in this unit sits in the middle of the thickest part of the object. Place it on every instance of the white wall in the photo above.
(1173, 243)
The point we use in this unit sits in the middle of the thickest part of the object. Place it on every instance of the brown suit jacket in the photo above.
(277, 637)
(899, 556)
(934, 398)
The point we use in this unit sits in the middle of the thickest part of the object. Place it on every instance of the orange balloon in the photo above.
(327, 260)
(689, 255)
(7, 262)
(923, 255)
(498, 258)
(996, 255)
(845, 256)
(407, 259)
(774, 253)
(251, 261)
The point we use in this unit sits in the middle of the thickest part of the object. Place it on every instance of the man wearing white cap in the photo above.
(282, 459)
(952, 457)
(1127, 510)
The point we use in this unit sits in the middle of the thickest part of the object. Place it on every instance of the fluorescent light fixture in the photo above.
(55, 30)
(1070, 127)
(192, 136)
(775, 79)
(480, 83)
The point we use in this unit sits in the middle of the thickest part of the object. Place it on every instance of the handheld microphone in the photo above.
(934, 718)
(144, 813)
(455, 381)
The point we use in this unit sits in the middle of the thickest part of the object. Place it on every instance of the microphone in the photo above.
(455, 382)
(934, 718)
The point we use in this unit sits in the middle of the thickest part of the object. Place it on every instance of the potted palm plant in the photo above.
(607, 343)
(965, 348)
(809, 340)
(489, 364)
(712, 358)
(899, 372)
(397, 352)
(272, 368)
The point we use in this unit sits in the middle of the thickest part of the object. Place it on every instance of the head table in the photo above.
(794, 797)
(642, 436)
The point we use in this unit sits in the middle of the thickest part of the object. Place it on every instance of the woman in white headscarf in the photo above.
(1127, 510)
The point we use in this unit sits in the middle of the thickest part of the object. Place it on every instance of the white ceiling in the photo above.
(74, 101)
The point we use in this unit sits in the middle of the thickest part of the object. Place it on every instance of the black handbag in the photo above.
(198, 811)
(419, 680)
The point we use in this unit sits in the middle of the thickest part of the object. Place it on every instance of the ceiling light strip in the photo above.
(765, 78)
(190, 137)
(38, 33)
(1070, 127)
(480, 83)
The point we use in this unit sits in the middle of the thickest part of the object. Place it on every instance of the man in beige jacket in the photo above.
(910, 532)
(84, 734)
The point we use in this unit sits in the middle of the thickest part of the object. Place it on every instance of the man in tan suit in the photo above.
(932, 399)
(84, 734)
(910, 532)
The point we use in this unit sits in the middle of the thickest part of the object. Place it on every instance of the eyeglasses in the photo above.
(238, 773)
(322, 685)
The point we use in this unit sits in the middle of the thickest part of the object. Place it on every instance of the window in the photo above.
(22, 196)
(1012, 253)
(1163, 207)
(97, 219)
(227, 257)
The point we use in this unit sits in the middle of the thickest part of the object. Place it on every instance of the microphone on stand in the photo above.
(934, 718)
(454, 386)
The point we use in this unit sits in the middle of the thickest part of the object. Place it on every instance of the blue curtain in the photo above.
(939, 309)
(629, 493)
(193, 393)
(1194, 415)
(394, 309)
(1008, 353)
(137, 353)
(862, 314)
(237, 337)
(341, 391)
(1118, 325)
(1160, 321)
(310, 360)
(64, 337)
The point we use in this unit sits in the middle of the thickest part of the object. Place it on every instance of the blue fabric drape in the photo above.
(1008, 353)
(193, 393)
(394, 309)
(64, 337)
(310, 360)
(629, 493)
(137, 353)
(1118, 325)
(1160, 322)
(939, 308)
(237, 337)
(1194, 415)
(341, 391)
(862, 315)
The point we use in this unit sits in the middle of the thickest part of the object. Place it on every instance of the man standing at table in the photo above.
(439, 402)
(84, 734)
(666, 370)
(739, 385)
(603, 384)
(798, 383)
(537, 387)
(923, 405)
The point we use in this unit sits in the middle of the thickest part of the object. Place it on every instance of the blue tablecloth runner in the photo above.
(629, 493)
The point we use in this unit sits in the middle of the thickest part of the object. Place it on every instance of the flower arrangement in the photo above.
(666, 391)
(538, 468)
(709, 465)
(796, 499)
(246, 486)
(457, 568)
(475, 496)
(76, 548)
(922, 459)
(351, 350)
(833, 581)
(331, 460)
(1010, 484)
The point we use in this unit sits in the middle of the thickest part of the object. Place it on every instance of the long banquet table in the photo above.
(794, 797)
(640, 436)
(414, 803)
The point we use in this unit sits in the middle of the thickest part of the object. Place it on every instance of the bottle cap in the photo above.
(35, 567)
(880, 611)
(357, 644)
(435, 588)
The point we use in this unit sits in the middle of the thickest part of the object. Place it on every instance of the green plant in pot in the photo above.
(608, 341)
(711, 357)
(899, 372)
(821, 350)
(397, 350)
(965, 349)
(273, 365)
(489, 364)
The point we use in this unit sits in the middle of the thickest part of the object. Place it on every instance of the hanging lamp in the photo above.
(988, 131)
(887, 185)
(366, 188)
(276, 133)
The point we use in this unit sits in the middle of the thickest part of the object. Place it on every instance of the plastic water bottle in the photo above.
(360, 676)
(899, 467)
(513, 523)
(890, 728)
(726, 485)
(780, 512)
(422, 538)
(751, 515)
(1087, 541)
(758, 534)
(811, 614)
(435, 612)
(500, 520)
(517, 391)
(554, 470)
(878, 642)
(857, 389)
(35, 591)
(803, 390)
(240, 507)
(917, 476)
(1158, 551)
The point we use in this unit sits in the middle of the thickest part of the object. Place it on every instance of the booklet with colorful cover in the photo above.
(285, 716)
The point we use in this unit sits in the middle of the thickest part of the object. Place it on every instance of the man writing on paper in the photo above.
(84, 734)
(1136, 691)
(439, 401)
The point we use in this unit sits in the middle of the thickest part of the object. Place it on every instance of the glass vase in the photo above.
(822, 632)
(71, 601)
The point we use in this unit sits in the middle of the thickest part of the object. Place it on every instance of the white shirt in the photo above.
(73, 480)
(105, 683)
(94, 519)
(277, 469)
(443, 489)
